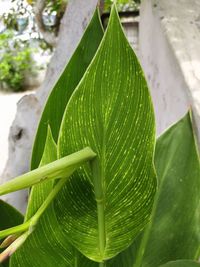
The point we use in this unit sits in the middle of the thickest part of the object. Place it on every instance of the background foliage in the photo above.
(15, 62)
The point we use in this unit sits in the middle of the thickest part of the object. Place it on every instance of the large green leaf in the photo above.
(9, 217)
(52, 115)
(174, 231)
(47, 244)
(125, 258)
(110, 111)
(182, 263)
(71, 76)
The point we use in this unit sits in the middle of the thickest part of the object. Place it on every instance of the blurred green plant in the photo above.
(16, 18)
(122, 5)
(15, 61)
(58, 8)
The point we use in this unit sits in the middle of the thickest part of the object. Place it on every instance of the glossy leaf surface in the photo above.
(110, 111)
(174, 231)
(71, 76)
(175, 152)
(52, 116)
(47, 244)
(182, 263)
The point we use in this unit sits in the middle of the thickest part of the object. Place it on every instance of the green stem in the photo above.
(101, 225)
(13, 247)
(75, 257)
(15, 230)
(47, 202)
(30, 224)
(98, 179)
(102, 264)
(61, 168)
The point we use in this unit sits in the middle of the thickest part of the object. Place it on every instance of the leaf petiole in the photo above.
(31, 224)
(61, 168)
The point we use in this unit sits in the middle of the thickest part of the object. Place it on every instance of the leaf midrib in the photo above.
(101, 202)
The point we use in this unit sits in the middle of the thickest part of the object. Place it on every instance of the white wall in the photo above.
(170, 54)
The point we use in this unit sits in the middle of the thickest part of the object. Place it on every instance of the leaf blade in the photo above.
(176, 217)
(10, 218)
(46, 243)
(64, 87)
(181, 263)
(97, 123)
(155, 245)
(52, 116)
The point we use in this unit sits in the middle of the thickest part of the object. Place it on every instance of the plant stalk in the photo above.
(13, 247)
(31, 224)
(100, 199)
(61, 168)
(101, 225)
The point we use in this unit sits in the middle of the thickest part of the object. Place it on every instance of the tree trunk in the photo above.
(29, 108)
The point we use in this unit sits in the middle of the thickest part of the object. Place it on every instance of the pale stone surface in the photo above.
(8, 102)
(20, 143)
(29, 108)
(170, 52)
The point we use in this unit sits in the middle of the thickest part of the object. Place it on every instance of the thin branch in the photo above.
(49, 37)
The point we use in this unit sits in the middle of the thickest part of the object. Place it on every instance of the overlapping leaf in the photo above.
(48, 236)
(9, 217)
(110, 111)
(72, 74)
(47, 244)
(174, 230)
(182, 263)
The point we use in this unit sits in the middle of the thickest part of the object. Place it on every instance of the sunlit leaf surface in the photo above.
(174, 231)
(110, 111)
(71, 76)
(46, 243)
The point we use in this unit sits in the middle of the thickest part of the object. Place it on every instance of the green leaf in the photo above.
(9, 218)
(111, 111)
(174, 231)
(182, 263)
(61, 168)
(71, 76)
(125, 258)
(47, 244)
(52, 116)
